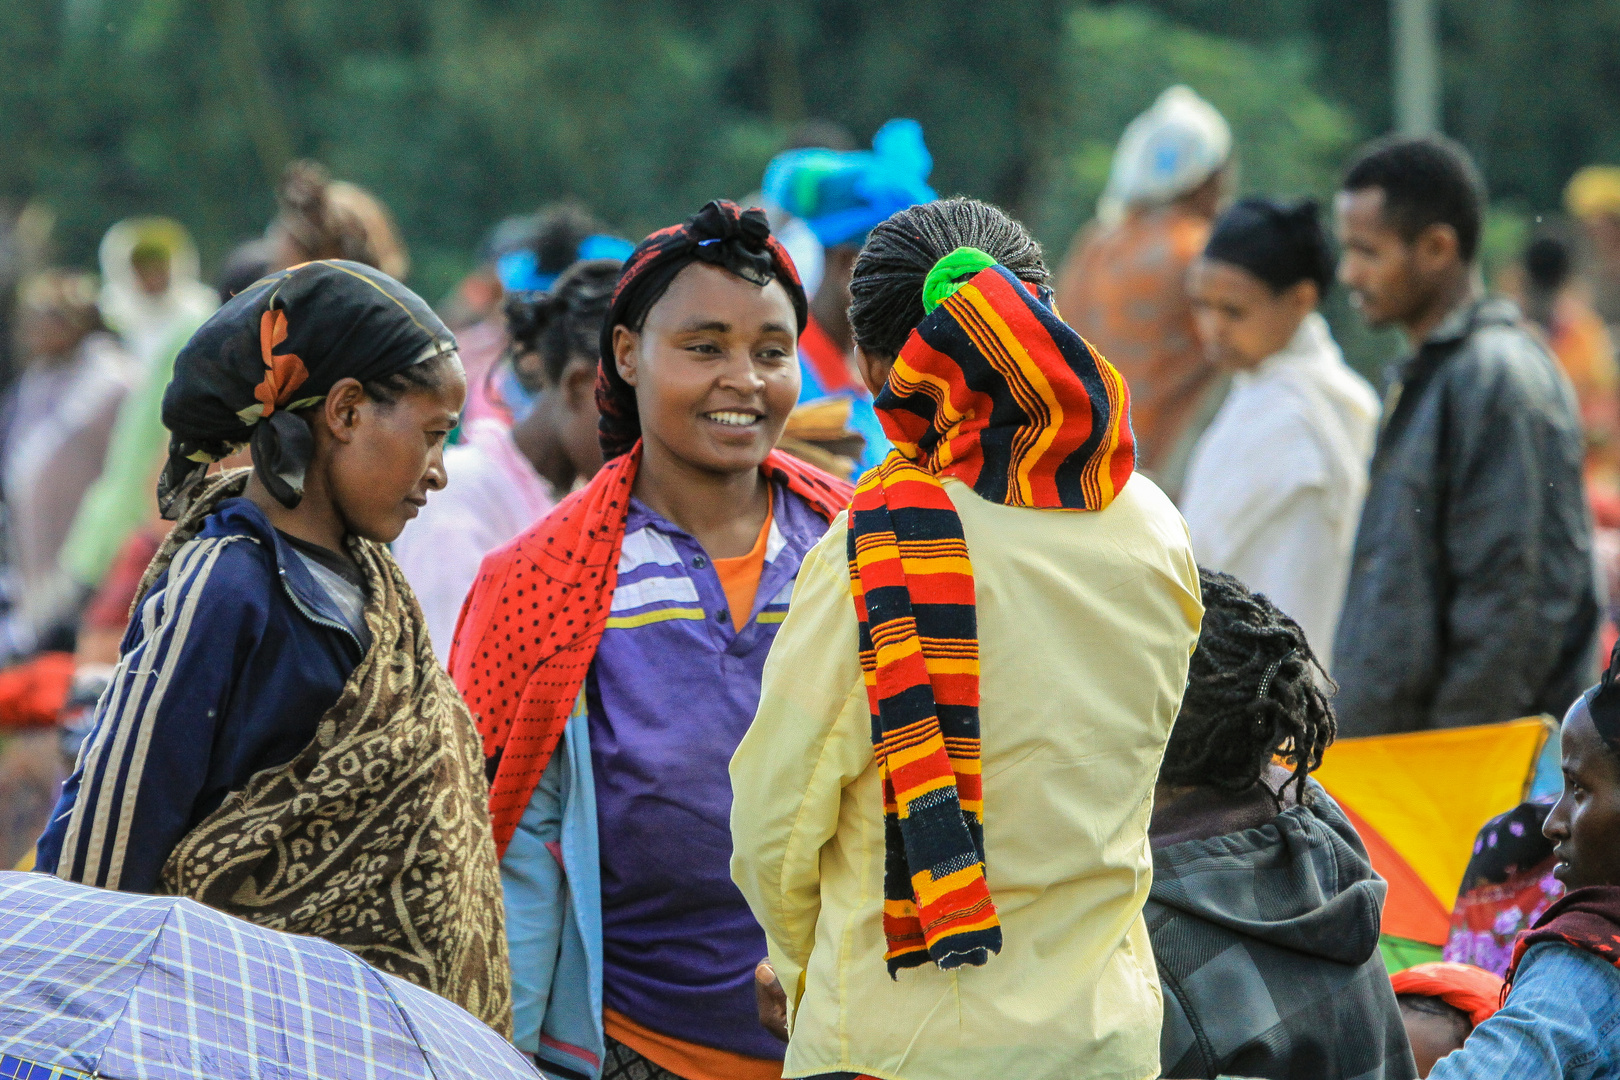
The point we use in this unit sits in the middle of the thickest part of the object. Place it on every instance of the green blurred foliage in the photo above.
(459, 112)
(1530, 87)
(1290, 141)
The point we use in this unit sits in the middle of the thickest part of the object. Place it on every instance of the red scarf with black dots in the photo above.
(531, 624)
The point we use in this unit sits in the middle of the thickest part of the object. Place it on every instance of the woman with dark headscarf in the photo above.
(278, 740)
(612, 655)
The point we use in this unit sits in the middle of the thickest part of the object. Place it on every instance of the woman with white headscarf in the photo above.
(1123, 285)
(150, 290)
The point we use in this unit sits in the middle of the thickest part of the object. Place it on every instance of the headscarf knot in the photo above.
(721, 234)
(277, 347)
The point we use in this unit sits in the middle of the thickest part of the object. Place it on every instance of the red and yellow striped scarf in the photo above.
(992, 388)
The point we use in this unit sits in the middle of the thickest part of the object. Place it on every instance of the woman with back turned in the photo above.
(1265, 909)
(937, 906)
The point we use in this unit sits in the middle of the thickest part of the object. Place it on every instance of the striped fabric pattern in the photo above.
(111, 984)
(654, 585)
(994, 390)
(114, 758)
(532, 622)
(13, 1068)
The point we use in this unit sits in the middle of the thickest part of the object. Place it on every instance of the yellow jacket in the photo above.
(1086, 622)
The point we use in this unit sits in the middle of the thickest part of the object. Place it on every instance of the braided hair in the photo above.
(565, 321)
(886, 292)
(1251, 695)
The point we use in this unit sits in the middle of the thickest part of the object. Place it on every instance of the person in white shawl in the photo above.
(1275, 485)
(149, 286)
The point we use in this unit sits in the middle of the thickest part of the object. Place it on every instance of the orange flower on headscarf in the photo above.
(283, 374)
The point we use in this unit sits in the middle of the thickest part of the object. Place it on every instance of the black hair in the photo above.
(428, 375)
(1251, 695)
(1282, 244)
(1547, 263)
(559, 230)
(566, 321)
(1426, 181)
(1433, 1006)
(886, 291)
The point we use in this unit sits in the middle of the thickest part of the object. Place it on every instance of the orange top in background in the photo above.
(1123, 287)
(739, 577)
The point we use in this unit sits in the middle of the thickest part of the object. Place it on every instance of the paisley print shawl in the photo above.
(376, 837)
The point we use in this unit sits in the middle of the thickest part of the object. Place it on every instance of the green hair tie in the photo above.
(951, 273)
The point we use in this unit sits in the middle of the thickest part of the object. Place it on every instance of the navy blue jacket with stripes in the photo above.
(230, 661)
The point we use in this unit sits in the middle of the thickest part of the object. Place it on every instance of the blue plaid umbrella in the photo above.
(127, 987)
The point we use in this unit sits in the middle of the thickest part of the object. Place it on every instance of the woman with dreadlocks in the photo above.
(612, 654)
(947, 899)
(1265, 909)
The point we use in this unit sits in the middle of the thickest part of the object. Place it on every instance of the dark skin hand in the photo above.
(716, 372)
(1411, 284)
(1585, 823)
(373, 465)
(771, 999)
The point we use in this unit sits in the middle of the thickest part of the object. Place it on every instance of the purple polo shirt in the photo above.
(671, 693)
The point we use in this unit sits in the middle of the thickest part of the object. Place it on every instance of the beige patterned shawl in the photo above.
(376, 836)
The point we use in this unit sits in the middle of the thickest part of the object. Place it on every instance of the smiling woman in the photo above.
(715, 374)
(612, 655)
(275, 637)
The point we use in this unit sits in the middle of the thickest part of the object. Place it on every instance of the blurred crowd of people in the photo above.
(601, 545)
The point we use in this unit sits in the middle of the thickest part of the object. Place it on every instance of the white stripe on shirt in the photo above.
(165, 643)
(647, 545)
(677, 590)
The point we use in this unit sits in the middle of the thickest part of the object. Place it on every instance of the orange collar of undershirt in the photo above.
(739, 576)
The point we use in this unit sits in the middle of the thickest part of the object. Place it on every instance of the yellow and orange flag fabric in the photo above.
(1419, 799)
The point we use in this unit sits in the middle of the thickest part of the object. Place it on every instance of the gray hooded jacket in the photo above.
(1267, 947)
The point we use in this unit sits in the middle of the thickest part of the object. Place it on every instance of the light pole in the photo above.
(1416, 56)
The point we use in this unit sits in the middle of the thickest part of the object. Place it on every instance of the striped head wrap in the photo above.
(992, 388)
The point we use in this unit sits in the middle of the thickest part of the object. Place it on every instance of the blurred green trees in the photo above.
(458, 112)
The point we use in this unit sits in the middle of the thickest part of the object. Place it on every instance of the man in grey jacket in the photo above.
(1472, 595)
